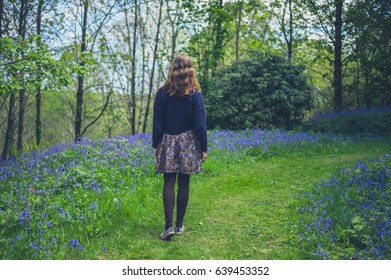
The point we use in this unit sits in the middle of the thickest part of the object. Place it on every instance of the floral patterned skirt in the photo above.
(179, 153)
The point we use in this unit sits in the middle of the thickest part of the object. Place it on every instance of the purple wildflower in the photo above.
(94, 205)
(73, 243)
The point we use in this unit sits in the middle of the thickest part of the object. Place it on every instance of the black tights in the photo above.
(169, 197)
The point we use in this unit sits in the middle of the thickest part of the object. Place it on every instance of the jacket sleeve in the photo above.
(199, 121)
(158, 120)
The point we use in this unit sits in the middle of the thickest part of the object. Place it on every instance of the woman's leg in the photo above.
(182, 197)
(169, 198)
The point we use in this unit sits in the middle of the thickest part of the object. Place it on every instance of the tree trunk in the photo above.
(1, 17)
(238, 27)
(38, 122)
(288, 34)
(358, 101)
(367, 97)
(22, 106)
(133, 78)
(290, 43)
(174, 26)
(338, 57)
(153, 67)
(9, 135)
(141, 110)
(205, 58)
(79, 96)
(22, 93)
(217, 49)
(387, 91)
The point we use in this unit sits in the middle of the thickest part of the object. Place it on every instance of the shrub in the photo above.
(264, 92)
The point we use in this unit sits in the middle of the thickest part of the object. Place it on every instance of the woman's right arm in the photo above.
(158, 120)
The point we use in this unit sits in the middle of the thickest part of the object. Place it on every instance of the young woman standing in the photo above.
(179, 138)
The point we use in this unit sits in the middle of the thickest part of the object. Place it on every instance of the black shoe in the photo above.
(180, 230)
(167, 234)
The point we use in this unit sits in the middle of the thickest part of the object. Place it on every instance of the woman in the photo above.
(179, 138)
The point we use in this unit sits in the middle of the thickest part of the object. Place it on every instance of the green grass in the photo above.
(239, 208)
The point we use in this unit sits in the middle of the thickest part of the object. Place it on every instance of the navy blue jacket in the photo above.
(175, 115)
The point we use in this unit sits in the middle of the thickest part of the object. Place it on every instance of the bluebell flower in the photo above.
(53, 240)
(94, 205)
(24, 217)
(34, 245)
(73, 243)
(83, 216)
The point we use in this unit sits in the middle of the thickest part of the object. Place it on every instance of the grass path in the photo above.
(244, 210)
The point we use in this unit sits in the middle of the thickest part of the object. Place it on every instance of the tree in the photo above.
(338, 56)
(25, 6)
(101, 13)
(26, 63)
(238, 27)
(329, 19)
(38, 121)
(158, 24)
(263, 91)
(369, 41)
(26, 55)
(7, 49)
(1, 17)
(132, 52)
(290, 15)
(288, 34)
(209, 22)
(136, 52)
(217, 51)
(175, 17)
(80, 78)
(224, 31)
(20, 14)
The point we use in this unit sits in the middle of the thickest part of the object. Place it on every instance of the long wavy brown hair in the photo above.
(181, 79)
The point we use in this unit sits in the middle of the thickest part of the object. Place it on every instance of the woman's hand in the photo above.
(155, 152)
(204, 156)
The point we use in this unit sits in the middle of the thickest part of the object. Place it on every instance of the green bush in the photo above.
(265, 91)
